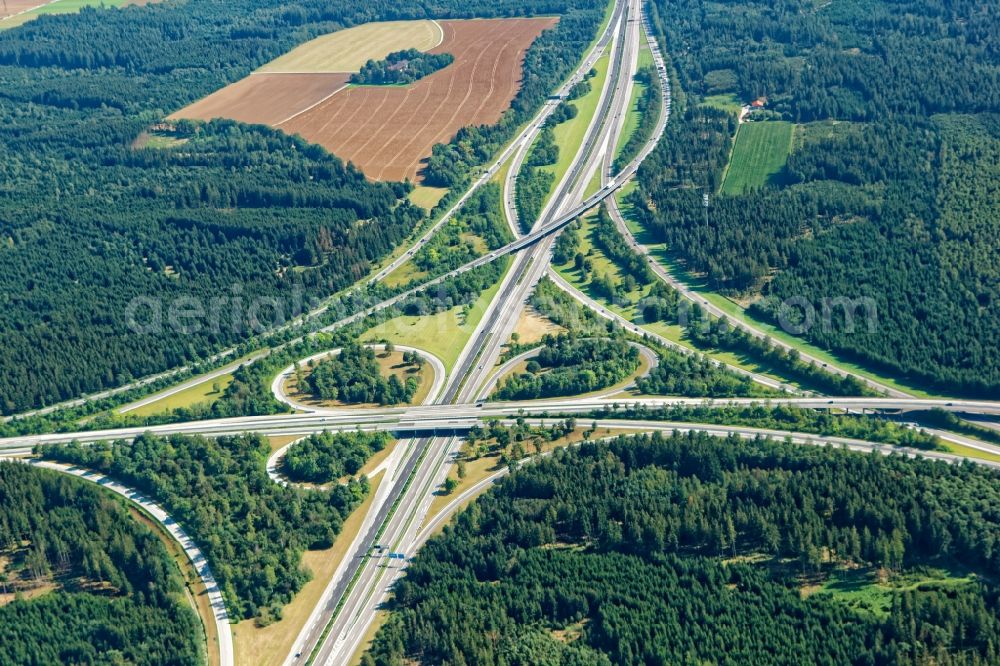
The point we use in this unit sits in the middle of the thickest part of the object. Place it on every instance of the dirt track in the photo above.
(267, 99)
(388, 131)
(18, 6)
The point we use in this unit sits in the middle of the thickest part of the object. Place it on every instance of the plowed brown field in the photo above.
(18, 6)
(266, 99)
(388, 131)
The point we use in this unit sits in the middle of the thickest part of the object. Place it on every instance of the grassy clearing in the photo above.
(863, 591)
(760, 152)
(377, 459)
(594, 184)
(348, 50)
(600, 265)
(645, 55)
(204, 392)
(632, 118)
(809, 134)
(737, 312)
(532, 326)
(443, 334)
(728, 102)
(969, 452)
(279, 441)
(58, 7)
(158, 140)
(270, 645)
(427, 197)
(403, 275)
(570, 134)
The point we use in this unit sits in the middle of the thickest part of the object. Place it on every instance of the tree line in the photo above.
(533, 182)
(480, 222)
(676, 373)
(91, 219)
(648, 107)
(547, 62)
(866, 427)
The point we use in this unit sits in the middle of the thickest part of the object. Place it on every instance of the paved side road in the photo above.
(191, 549)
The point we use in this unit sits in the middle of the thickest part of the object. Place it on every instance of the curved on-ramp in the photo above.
(278, 384)
(277, 389)
(652, 360)
(187, 544)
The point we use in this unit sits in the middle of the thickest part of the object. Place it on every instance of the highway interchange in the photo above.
(431, 433)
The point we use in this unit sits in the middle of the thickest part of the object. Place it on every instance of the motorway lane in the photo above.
(518, 149)
(962, 440)
(513, 247)
(523, 140)
(313, 633)
(618, 121)
(218, 372)
(463, 415)
(379, 572)
(324, 634)
(541, 412)
(517, 245)
(372, 585)
(445, 419)
(444, 515)
(479, 355)
(663, 273)
(495, 328)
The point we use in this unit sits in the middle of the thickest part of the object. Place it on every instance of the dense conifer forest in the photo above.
(888, 193)
(117, 596)
(93, 214)
(690, 549)
(253, 531)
